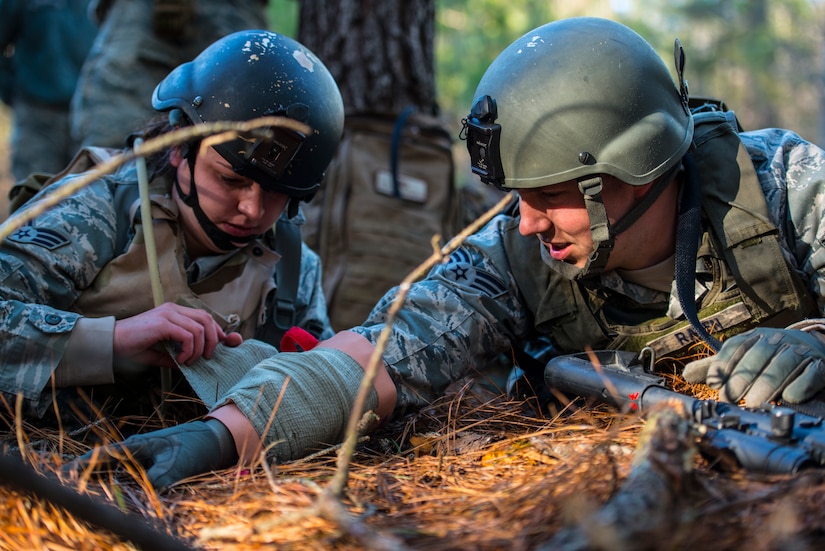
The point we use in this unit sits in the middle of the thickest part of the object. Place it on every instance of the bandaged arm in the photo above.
(296, 403)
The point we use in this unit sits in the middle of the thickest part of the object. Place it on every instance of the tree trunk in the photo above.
(389, 189)
(379, 51)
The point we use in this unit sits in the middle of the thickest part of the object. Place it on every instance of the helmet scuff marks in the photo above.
(262, 46)
(535, 41)
(249, 74)
(303, 60)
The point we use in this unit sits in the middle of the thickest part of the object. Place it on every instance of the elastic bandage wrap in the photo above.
(211, 379)
(300, 402)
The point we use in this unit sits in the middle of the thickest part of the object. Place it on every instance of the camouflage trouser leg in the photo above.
(40, 140)
(127, 60)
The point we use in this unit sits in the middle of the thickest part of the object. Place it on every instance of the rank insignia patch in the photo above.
(461, 270)
(45, 237)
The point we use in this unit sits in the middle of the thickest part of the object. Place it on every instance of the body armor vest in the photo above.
(241, 295)
(234, 294)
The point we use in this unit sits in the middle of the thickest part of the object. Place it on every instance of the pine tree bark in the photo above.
(379, 51)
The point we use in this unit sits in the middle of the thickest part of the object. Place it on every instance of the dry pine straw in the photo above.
(473, 471)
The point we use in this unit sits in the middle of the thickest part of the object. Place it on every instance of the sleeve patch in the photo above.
(46, 238)
(461, 270)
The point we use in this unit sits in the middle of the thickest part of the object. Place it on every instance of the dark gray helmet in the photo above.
(255, 73)
(575, 98)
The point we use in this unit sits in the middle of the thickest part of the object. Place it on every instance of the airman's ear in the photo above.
(176, 156)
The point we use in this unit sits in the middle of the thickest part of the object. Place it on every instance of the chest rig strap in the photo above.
(740, 220)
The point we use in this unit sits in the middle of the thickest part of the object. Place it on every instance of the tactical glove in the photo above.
(168, 455)
(764, 364)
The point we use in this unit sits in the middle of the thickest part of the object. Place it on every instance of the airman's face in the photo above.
(556, 214)
(238, 206)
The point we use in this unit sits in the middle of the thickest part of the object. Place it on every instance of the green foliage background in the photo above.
(763, 57)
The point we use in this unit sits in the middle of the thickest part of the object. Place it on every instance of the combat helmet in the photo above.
(254, 73)
(572, 100)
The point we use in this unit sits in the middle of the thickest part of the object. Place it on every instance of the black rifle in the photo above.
(772, 439)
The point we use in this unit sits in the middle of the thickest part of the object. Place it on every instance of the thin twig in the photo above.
(227, 129)
(328, 503)
(339, 481)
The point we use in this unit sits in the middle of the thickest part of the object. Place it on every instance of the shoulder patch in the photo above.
(45, 237)
(461, 269)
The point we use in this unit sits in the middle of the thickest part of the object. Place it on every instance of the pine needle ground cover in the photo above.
(473, 471)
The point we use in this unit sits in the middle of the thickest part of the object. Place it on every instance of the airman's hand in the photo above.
(193, 332)
(762, 365)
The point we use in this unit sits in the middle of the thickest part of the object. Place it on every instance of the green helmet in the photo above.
(576, 98)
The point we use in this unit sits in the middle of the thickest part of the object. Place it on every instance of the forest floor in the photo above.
(472, 471)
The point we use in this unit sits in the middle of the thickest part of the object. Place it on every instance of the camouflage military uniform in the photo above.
(129, 58)
(471, 308)
(56, 273)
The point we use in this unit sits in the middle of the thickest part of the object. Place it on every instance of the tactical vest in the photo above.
(234, 294)
(752, 283)
(386, 193)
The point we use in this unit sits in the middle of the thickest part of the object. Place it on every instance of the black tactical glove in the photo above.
(764, 364)
(168, 455)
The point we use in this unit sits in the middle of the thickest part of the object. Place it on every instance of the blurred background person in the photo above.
(139, 43)
(44, 45)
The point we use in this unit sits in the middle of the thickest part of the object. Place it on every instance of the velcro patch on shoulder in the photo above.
(43, 237)
(461, 269)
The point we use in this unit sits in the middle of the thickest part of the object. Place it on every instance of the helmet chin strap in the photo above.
(220, 238)
(603, 234)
